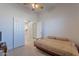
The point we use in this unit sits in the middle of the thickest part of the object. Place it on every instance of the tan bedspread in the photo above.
(57, 46)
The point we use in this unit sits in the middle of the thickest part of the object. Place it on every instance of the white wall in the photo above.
(20, 13)
(61, 21)
(6, 29)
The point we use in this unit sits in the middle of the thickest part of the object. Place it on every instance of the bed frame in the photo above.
(45, 50)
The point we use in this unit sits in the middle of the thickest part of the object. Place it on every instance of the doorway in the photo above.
(28, 30)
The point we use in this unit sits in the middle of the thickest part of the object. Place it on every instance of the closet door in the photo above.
(18, 32)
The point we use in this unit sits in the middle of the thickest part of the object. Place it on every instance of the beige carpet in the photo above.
(28, 50)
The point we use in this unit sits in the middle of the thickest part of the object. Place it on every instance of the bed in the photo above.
(57, 47)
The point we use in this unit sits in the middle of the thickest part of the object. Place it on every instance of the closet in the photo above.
(12, 29)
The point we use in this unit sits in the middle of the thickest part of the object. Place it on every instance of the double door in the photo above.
(12, 29)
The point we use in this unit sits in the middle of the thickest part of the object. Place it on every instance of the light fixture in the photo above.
(36, 6)
(33, 5)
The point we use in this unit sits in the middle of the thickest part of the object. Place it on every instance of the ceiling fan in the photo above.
(35, 6)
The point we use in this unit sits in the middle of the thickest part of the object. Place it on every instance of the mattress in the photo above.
(63, 48)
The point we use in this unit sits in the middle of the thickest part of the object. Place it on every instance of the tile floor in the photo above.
(28, 50)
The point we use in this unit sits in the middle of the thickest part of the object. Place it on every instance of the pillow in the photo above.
(51, 37)
(63, 39)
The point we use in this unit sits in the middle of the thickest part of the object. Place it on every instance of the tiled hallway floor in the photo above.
(28, 50)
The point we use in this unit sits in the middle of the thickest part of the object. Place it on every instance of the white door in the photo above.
(18, 32)
(39, 30)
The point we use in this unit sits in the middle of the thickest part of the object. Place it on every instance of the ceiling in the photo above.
(45, 5)
(49, 6)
